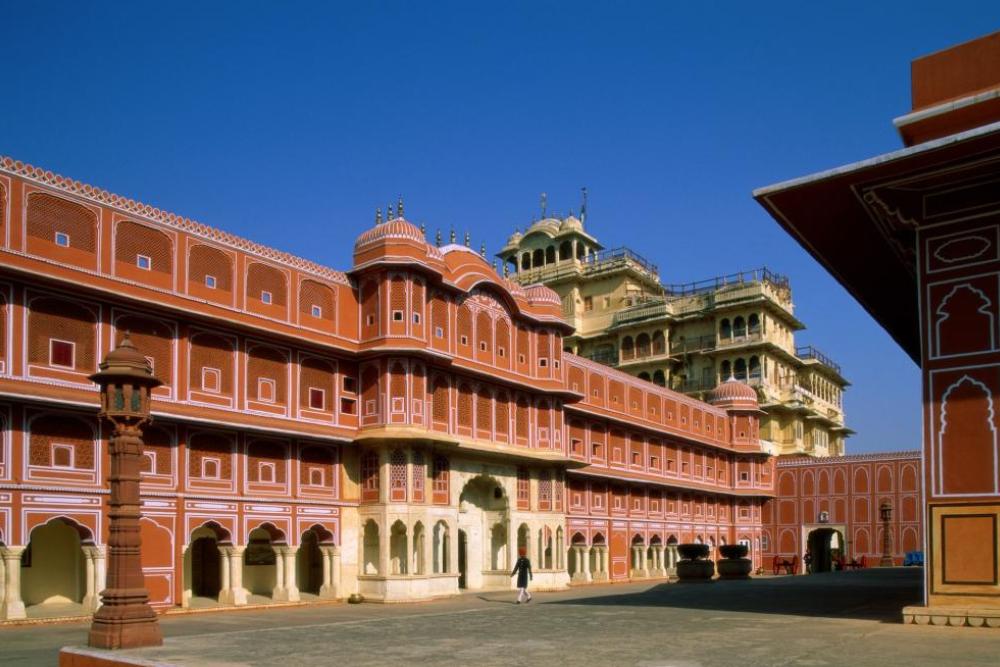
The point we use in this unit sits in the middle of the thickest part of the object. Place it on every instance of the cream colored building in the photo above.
(688, 337)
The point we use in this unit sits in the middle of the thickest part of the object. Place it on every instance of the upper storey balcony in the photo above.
(731, 290)
(810, 354)
(594, 264)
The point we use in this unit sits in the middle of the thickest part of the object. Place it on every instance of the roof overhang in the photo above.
(860, 221)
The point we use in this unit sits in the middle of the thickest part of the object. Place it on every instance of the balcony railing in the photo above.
(606, 357)
(607, 258)
(810, 352)
(762, 274)
(640, 313)
(697, 344)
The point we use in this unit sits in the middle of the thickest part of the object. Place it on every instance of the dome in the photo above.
(548, 226)
(393, 229)
(733, 391)
(572, 223)
(514, 238)
(541, 293)
(126, 354)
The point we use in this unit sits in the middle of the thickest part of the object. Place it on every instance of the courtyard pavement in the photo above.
(837, 619)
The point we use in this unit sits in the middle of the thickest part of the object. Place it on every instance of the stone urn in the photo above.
(694, 566)
(734, 563)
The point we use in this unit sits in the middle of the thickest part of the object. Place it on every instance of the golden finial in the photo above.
(378, 216)
(423, 229)
(506, 269)
(399, 206)
(583, 204)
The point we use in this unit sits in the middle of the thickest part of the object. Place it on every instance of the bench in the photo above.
(853, 564)
(790, 566)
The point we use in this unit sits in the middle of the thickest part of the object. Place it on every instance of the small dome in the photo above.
(572, 223)
(541, 293)
(393, 229)
(547, 225)
(126, 354)
(734, 392)
(515, 238)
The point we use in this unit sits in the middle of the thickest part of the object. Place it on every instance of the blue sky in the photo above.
(289, 124)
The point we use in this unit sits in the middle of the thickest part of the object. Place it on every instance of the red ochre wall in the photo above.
(850, 489)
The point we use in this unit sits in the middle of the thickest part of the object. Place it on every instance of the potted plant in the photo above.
(694, 566)
(734, 564)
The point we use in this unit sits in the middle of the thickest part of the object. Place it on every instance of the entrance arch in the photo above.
(826, 545)
(261, 574)
(484, 525)
(203, 562)
(310, 559)
(54, 572)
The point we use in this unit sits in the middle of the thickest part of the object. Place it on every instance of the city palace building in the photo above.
(398, 430)
(689, 337)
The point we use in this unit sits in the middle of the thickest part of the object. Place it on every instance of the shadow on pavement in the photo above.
(875, 594)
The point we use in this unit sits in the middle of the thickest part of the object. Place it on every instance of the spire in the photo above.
(437, 237)
(496, 267)
(378, 216)
(423, 229)
(451, 237)
(583, 205)
(389, 214)
(468, 240)
(545, 204)
(506, 269)
(399, 206)
(482, 250)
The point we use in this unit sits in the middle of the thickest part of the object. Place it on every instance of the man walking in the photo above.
(522, 568)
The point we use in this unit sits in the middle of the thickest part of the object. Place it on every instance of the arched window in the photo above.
(740, 370)
(369, 476)
(642, 345)
(538, 258)
(739, 327)
(754, 368)
(565, 250)
(526, 261)
(550, 255)
(725, 371)
(659, 343)
(628, 348)
(659, 379)
(753, 324)
(725, 329)
(644, 376)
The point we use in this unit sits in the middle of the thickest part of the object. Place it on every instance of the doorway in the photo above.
(205, 568)
(826, 546)
(461, 559)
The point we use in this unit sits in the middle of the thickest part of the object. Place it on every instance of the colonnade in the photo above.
(590, 563)
(12, 603)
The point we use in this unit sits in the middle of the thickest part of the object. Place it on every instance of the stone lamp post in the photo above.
(125, 619)
(885, 512)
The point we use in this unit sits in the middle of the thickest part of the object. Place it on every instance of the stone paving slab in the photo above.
(837, 619)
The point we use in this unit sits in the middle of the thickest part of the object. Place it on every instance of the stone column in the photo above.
(94, 577)
(427, 551)
(13, 605)
(100, 571)
(335, 569)
(232, 591)
(605, 563)
(384, 544)
(329, 589)
(453, 548)
(279, 592)
(586, 563)
(285, 589)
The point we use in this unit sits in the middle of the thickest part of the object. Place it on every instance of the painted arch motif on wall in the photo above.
(965, 443)
(965, 316)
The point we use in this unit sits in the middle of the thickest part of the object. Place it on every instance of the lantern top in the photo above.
(125, 361)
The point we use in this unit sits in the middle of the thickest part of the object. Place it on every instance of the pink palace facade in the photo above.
(398, 430)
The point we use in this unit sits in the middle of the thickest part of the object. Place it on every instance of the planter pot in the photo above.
(355, 598)
(695, 570)
(733, 551)
(692, 551)
(735, 568)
